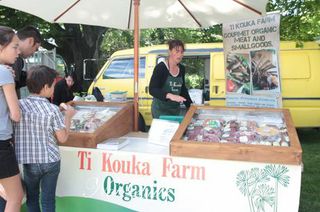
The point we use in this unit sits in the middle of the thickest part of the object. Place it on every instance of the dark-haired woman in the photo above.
(9, 111)
(167, 84)
(65, 89)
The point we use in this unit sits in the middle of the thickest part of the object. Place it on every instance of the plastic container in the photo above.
(118, 96)
(172, 118)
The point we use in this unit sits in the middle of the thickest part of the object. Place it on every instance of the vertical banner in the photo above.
(251, 50)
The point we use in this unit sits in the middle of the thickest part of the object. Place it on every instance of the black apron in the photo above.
(172, 85)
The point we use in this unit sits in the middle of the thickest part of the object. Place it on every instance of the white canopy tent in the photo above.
(136, 14)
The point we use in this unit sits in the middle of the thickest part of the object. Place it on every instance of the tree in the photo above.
(77, 42)
(74, 42)
(300, 19)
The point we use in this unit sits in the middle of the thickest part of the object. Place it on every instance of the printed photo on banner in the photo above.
(264, 69)
(238, 73)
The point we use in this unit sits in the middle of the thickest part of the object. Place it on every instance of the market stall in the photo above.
(238, 174)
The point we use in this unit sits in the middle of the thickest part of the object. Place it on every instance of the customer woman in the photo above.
(167, 84)
(65, 89)
(9, 111)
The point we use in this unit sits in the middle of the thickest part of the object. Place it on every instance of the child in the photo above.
(9, 111)
(41, 127)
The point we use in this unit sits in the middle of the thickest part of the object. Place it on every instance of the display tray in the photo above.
(95, 122)
(245, 134)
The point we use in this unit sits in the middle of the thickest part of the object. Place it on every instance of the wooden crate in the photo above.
(118, 125)
(234, 151)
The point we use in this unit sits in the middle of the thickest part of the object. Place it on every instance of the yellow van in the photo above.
(299, 70)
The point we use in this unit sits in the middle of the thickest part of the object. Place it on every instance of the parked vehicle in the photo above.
(299, 70)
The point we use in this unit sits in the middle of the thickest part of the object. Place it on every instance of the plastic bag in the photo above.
(97, 93)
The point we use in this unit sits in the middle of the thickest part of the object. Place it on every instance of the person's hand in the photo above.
(63, 106)
(12, 71)
(69, 111)
(175, 98)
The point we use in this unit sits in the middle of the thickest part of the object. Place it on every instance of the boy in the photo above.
(36, 135)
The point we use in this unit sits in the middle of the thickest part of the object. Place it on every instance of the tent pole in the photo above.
(136, 64)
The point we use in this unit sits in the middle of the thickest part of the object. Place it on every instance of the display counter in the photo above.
(238, 172)
(242, 134)
(95, 122)
(143, 177)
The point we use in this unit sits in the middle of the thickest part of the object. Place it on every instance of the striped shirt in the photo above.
(35, 140)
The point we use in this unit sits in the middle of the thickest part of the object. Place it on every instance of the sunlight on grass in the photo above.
(310, 190)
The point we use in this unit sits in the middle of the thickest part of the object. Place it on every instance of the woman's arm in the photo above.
(158, 78)
(57, 94)
(12, 101)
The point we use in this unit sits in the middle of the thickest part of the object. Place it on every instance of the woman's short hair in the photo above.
(175, 43)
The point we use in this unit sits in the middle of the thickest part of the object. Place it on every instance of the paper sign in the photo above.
(162, 131)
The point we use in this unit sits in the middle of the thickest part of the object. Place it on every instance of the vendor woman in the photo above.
(167, 84)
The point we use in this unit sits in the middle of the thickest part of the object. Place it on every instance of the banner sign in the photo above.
(128, 181)
(252, 63)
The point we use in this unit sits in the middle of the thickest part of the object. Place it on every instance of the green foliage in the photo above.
(195, 69)
(300, 19)
(17, 19)
(115, 39)
(161, 36)
(194, 81)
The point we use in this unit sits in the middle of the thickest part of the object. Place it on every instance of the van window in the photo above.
(124, 69)
(197, 70)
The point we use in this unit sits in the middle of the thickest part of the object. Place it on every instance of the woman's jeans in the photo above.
(44, 177)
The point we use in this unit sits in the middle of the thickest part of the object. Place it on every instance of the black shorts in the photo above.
(8, 162)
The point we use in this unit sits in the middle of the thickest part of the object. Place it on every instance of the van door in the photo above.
(299, 71)
(217, 79)
(145, 99)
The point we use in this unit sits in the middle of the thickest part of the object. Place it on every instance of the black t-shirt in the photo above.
(21, 76)
(158, 79)
(62, 93)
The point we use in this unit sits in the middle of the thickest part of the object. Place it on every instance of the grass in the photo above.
(310, 189)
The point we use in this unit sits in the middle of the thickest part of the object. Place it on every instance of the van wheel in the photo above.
(141, 123)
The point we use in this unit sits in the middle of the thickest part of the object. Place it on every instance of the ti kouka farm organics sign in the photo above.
(151, 182)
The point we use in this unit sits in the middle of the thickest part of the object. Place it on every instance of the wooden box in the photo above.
(291, 154)
(118, 125)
